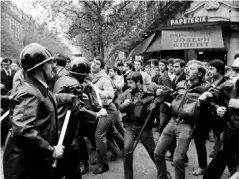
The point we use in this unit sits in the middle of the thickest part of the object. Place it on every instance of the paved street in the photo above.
(144, 167)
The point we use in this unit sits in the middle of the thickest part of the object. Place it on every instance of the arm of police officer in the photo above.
(25, 115)
(102, 112)
(62, 98)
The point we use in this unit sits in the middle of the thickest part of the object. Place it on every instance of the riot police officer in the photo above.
(73, 83)
(32, 141)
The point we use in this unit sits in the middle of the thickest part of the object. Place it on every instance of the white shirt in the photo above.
(171, 76)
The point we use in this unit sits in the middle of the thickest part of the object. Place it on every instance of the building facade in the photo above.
(200, 30)
(19, 29)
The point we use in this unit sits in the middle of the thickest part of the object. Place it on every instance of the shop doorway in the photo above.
(211, 55)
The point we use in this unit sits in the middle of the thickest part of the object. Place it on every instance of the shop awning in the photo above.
(142, 47)
(156, 44)
(206, 38)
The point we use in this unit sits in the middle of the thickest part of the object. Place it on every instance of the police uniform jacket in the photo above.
(34, 131)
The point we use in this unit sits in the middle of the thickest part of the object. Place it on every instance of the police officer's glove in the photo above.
(58, 151)
(76, 106)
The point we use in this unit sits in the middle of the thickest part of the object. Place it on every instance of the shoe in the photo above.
(113, 156)
(101, 169)
(169, 158)
(84, 168)
(199, 171)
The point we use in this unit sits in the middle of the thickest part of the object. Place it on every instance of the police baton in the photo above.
(63, 132)
(97, 96)
(4, 116)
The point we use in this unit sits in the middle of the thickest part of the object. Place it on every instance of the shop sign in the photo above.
(190, 20)
(192, 39)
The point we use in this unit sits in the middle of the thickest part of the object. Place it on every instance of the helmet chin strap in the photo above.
(44, 75)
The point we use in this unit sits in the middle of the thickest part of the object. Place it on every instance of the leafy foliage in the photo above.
(99, 24)
(28, 31)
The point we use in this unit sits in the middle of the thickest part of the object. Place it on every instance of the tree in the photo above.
(97, 25)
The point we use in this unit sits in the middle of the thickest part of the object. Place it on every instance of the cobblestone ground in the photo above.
(143, 166)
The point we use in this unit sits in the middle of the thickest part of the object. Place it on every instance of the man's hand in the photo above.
(234, 103)
(205, 95)
(126, 102)
(58, 151)
(102, 112)
(235, 175)
(221, 111)
(2, 86)
(159, 92)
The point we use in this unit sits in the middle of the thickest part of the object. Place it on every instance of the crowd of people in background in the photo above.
(112, 106)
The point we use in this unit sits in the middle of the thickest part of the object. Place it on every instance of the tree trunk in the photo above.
(101, 43)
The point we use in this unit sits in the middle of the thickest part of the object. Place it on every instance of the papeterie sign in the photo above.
(190, 20)
(192, 39)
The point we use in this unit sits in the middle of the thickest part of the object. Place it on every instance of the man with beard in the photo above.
(185, 112)
(31, 145)
(135, 102)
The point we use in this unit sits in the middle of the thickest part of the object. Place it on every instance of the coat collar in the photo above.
(38, 84)
(98, 75)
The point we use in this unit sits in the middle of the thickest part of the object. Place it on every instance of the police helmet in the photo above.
(80, 66)
(33, 56)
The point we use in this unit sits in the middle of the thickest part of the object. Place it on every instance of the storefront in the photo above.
(207, 30)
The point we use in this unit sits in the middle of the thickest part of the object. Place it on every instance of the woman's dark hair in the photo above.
(135, 76)
(219, 65)
(102, 62)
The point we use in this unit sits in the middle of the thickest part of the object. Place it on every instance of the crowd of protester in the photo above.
(111, 106)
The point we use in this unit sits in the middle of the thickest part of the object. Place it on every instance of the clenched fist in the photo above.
(58, 151)
(205, 95)
(103, 112)
(221, 111)
(126, 102)
(159, 92)
(234, 103)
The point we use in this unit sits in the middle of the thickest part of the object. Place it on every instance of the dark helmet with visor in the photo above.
(80, 66)
(33, 56)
